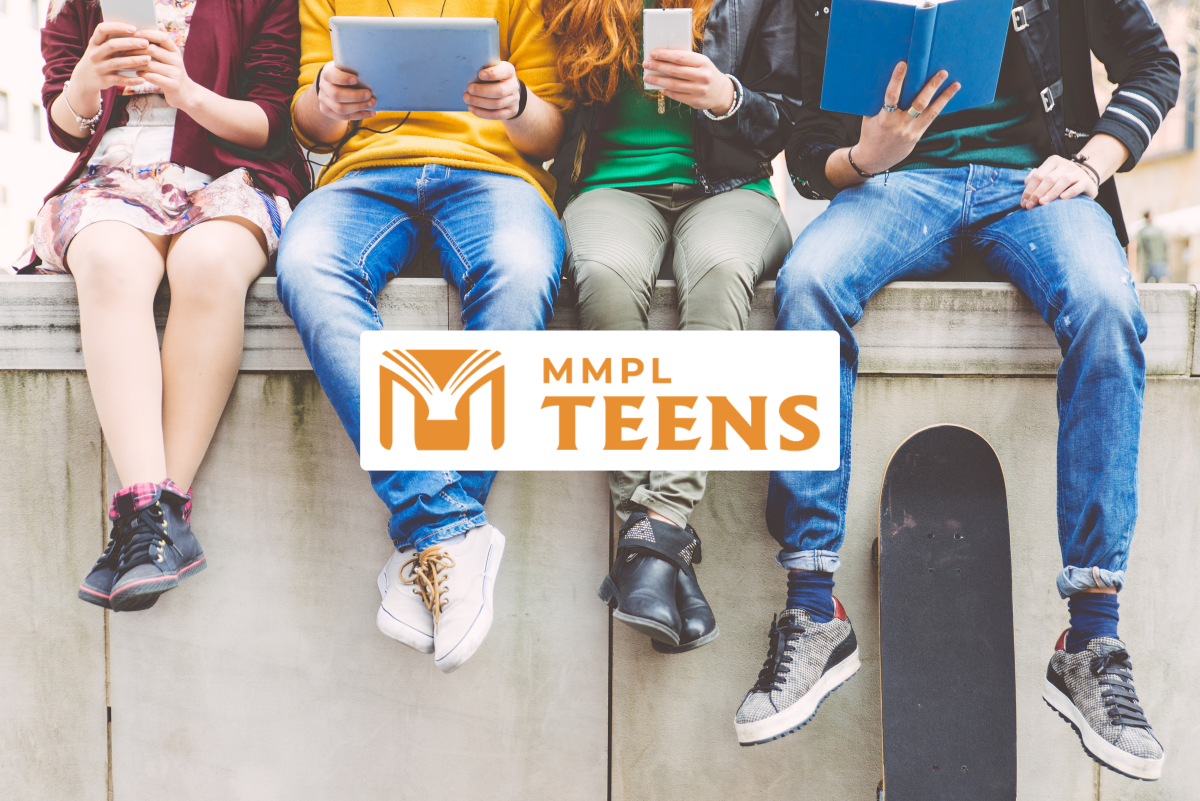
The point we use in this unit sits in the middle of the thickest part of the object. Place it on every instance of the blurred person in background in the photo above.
(1152, 251)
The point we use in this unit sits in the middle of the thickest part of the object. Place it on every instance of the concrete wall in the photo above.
(265, 678)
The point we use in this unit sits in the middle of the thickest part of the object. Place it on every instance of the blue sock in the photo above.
(1093, 614)
(811, 591)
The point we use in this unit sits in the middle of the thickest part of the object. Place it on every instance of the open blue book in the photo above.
(867, 38)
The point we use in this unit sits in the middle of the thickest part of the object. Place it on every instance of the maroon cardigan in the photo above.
(242, 49)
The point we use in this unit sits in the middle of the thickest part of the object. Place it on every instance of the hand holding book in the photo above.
(888, 137)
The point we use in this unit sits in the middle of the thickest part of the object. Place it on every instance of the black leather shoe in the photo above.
(158, 550)
(699, 625)
(641, 587)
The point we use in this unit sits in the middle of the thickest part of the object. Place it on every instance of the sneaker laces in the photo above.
(1115, 671)
(143, 536)
(427, 571)
(779, 656)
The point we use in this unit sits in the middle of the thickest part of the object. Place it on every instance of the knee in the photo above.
(215, 274)
(606, 300)
(805, 282)
(110, 278)
(720, 299)
(1105, 304)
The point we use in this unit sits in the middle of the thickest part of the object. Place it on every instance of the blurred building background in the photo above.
(30, 164)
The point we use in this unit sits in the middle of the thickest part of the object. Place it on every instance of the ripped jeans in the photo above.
(1065, 257)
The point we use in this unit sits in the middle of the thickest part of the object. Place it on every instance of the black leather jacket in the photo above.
(1058, 38)
(752, 39)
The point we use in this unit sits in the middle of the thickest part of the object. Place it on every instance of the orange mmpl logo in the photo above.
(442, 383)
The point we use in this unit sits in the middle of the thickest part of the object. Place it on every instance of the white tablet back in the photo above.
(415, 63)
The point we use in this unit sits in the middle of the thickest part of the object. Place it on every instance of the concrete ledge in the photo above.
(910, 328)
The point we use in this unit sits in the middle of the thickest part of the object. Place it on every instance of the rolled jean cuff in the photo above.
(817, 561)
(460, 526)
(1077, 579)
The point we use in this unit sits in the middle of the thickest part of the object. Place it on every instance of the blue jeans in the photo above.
(1065, 257)
(496, 240)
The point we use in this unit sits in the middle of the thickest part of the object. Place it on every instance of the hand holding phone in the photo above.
(113, 56)
(140, 14)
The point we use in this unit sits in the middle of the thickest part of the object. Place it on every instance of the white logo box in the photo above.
(783, 386)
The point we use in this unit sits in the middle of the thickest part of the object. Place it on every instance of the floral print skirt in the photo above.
(153, 199)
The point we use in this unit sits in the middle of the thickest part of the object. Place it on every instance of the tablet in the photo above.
(415, 63)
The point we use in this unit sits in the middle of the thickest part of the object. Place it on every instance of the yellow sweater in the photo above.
(455, 139)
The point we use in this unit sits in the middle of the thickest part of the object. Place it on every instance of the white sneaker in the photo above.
(463, 574)
(403, 615)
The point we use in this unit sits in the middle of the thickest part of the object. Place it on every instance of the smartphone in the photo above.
(665, 29)
(139, 13)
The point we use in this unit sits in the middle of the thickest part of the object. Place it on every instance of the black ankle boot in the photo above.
(699, 625)
(642, 584)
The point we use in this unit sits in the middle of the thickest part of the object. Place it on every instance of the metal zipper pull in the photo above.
(662, 103)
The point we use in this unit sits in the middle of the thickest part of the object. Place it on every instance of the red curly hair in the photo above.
(600, 42)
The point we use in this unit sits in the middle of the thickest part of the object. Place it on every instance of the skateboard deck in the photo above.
(947, 669)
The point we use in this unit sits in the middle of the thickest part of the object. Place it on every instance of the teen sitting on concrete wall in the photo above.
(682, 169)
(473, 187)
(201, 196)
(1025, 183)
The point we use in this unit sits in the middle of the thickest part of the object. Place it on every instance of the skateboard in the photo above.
(947, 671)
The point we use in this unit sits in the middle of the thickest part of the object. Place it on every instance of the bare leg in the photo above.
(209, 267)
(117, 270)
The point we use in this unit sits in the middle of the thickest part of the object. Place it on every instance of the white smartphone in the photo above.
(139, 13)
(665, 29)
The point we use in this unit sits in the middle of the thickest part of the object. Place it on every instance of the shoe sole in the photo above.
(132, 598)
(786, 721)
(97, 598)
(659, 632)
(469, 644)
(1099, 749)
(396, 628)
(663, 648)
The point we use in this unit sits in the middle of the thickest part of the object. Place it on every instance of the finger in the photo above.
(687, 100)
(674, 70)
(346, 96)
(485, 114)
(332, 76)
(348, 111)
(491, 104)
(935, 108)
(500, 89)
(124, 80)
(1057, 188)
(164, 56)
(891, 96)
(1033, 194)
(675, 85)
(1074, 190)
(500, 72)
(107, 29)
(162, 39)
(686, 58)
(924, 98)
(123, 44)
(128, 63)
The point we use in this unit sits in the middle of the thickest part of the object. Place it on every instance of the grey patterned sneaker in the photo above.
(1093, 691)
(806, 662)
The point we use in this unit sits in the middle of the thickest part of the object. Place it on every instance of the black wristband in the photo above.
(850, 158)
(317, 82)
(1081, 160)
(524, 99)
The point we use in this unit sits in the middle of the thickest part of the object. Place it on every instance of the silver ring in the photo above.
(914, 113)
(890, 109)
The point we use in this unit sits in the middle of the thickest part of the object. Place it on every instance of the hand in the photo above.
(889, 136)
(497, 93)
(104, 58)
(692, 79)
(166, 71)
(1057, 178)
(341, 98)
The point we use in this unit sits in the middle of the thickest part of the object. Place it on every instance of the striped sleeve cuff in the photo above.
(1132, 118)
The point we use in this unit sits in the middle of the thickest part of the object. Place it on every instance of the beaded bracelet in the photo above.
(738, 95)
(84, 123)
